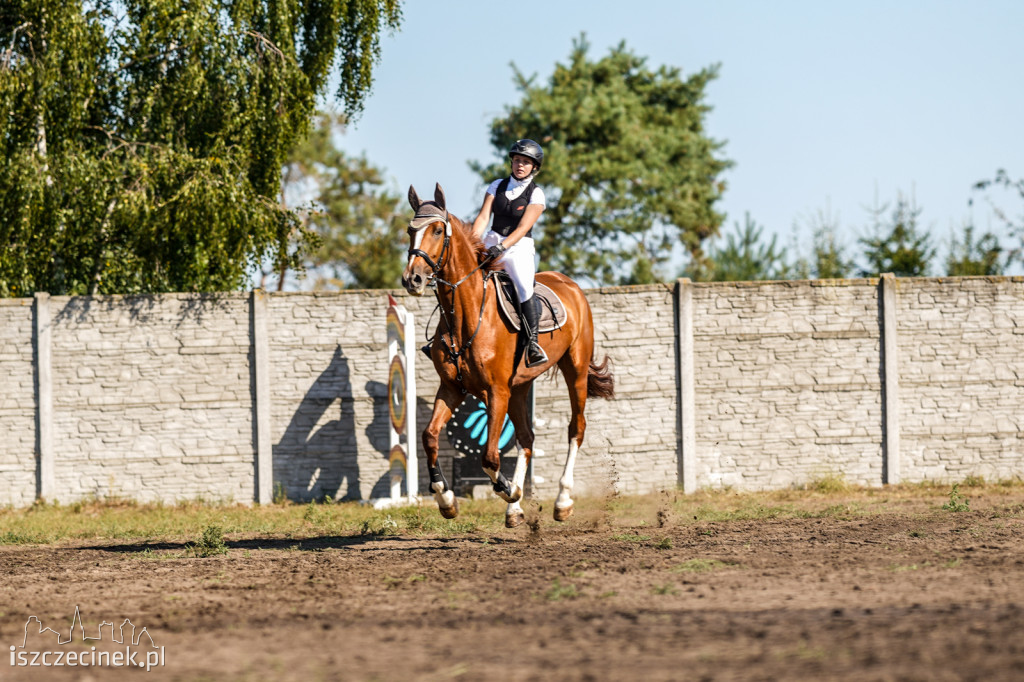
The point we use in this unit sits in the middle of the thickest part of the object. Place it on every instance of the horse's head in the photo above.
(430, 233)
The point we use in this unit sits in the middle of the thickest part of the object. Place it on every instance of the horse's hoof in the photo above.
(514, 520)
(450, 512)
(562, 513)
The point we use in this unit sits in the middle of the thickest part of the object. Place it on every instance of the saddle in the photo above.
(552, 311)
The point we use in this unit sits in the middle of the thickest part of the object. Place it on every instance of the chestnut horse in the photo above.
(474, 352)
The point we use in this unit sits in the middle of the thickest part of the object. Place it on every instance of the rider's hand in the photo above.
(496, 251)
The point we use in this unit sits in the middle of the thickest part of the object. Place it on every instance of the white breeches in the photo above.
(518, 262)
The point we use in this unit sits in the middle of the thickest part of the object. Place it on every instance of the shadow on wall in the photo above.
(316, 459)
(379, 434)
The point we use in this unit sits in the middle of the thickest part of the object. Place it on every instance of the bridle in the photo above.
(435, 269)
(413, 252)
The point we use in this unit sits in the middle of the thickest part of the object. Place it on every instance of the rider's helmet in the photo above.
(530, 150)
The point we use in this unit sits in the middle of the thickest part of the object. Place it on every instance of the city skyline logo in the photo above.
(40, 646)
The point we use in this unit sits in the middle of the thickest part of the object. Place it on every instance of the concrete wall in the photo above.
(787, 382)
(961, 358)
(17, 403)
(746, 385)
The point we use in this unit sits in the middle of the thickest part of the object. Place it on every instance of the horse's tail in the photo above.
(600, 382)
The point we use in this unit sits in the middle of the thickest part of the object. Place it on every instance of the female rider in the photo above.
(516, 203)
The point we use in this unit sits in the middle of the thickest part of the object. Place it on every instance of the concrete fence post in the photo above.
(46, 483)
(891, 384)
(261, 408)
(687, 456)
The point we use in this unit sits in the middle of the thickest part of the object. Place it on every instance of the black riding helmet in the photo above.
(529, 149)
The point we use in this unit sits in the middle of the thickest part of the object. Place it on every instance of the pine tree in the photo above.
(745, 257)
(897, 246)
(629, 171)
(968, 256)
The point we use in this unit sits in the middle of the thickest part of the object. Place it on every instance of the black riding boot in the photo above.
(535, 355)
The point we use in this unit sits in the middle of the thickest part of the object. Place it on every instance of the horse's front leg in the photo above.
(497, 405)
(518, 412)
(444, 404)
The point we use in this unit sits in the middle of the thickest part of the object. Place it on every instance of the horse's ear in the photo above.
(414, 199)
(439, 196)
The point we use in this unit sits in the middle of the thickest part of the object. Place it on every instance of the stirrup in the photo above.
(535, 355)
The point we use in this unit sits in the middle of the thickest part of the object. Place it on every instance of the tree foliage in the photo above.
(897, 245)
(359, 224)
(1002, 182)
(628, 169)
(828, 257)
(746, 257)
(143, 139)
(974, 256)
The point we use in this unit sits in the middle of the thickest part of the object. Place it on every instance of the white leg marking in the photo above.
(519, 476)
(514, 512)
(564, 498)
(446, 499)
(518, 481)
(513, 509)
(492, 474)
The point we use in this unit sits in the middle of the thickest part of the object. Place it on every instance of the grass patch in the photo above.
(828, 484)
(210, 543)
(96, 520)
(558, 591)
(957, 502)
(634, 519)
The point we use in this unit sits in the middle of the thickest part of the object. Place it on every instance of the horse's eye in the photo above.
(437, 231)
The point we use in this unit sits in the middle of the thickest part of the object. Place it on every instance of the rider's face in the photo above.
(522, 166)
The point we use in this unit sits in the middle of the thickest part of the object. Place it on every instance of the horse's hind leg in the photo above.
(575, 374)
(444, 404)
(518, 412)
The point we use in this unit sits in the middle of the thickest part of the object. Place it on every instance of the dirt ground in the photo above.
(916, 593)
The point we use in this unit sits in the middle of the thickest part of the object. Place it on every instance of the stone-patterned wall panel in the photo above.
(787, 383)
(17, 404)
(152, 397)
(961, 357)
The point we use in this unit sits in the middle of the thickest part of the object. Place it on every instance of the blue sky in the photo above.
(822, 105)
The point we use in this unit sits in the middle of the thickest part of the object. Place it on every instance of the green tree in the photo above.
(970, 256)
(745, 257)
(359, 225)
(1002, 182)
(898, 245)
(144, 139)
(628, 169)
(828, 258)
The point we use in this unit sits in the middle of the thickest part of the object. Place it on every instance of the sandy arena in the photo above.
(912, 592)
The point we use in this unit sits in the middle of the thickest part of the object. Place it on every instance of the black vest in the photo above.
(508, 213)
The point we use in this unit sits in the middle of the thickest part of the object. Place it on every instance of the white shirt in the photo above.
(516, 188)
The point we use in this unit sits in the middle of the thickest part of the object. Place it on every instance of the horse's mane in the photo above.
(475, 243)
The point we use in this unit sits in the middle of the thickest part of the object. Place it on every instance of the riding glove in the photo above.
(496, 251)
